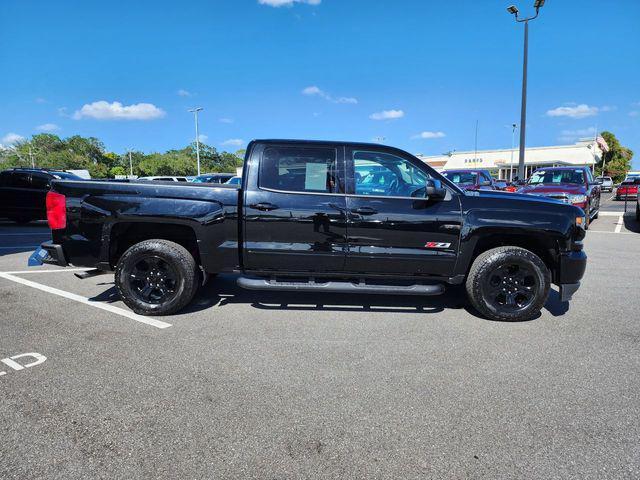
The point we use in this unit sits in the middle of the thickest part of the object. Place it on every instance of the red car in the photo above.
(574, 185)
(627, 189)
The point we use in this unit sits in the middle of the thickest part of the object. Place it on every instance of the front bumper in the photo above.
(572, 268)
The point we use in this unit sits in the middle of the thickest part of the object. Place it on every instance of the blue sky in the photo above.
(417, 72)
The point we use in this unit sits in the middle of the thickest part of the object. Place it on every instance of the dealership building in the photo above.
(501, 162)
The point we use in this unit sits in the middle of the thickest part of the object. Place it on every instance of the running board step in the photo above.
(90, 273)
(338, 287)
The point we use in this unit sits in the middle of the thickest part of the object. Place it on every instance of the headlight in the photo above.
(577, 198)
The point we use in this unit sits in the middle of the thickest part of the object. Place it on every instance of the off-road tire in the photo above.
(175, 255)
(486, 262)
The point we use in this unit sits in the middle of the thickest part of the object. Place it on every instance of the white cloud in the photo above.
(314, 91)
(287, 3)
(574, 111)
(387, 115)
(203, 138)
(346, 100)
(103, 110)
(234, 142)
(571, 136)
(11, 138)
(40, 100)
(429, 135)
(226, 120)
(48, 127)
(184, 93)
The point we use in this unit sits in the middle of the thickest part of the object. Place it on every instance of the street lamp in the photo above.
(513, 146)
(523, 110)
(195, 113)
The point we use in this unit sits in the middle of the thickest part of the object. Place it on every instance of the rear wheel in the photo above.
(508, 283)
(638, 211)
(156, 277)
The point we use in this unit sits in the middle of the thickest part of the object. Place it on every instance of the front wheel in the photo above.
(508, 283)
(156, 277)
(638, 211)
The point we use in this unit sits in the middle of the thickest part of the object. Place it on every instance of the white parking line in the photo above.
(80, 299)
(612, 233)
(17, 247)
(613, 214)
(619, 224)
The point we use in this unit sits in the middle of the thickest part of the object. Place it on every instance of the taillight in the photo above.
(56, 210)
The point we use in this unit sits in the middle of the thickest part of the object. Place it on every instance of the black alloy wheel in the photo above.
(152, 280)
(508, 284)
(156, 277)
(510, 287)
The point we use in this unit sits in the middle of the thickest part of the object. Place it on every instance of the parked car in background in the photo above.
(627, 189)
(637, 183)
(235, 180)
(471, 179)
(500, 184)
(606, 183)
(165, 179)
(214, 178)
(23, 192)
(574, 185)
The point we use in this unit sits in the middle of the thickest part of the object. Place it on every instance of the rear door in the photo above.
(40, 185)
(294, 208)
(392, 228)
(17, 196)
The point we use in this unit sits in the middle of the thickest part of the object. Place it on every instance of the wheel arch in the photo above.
(544, 246)
(123, 235)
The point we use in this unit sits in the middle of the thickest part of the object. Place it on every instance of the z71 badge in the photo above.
(437, 245)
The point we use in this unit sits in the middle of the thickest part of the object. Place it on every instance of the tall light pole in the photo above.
(195, 113)
(523, 109)
(130, 164)
(513, 146)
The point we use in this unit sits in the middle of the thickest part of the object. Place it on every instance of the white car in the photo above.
(606, 183)
(165, 179)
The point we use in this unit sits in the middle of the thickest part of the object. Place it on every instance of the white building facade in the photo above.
(503, 164)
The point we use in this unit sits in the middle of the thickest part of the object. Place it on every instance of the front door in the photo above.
(295, 209)
(392, 227)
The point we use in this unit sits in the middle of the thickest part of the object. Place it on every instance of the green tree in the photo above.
(617, 161)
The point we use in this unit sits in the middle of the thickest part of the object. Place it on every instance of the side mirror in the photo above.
(434, 190)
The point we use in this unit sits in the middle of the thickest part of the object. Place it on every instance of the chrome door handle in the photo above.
(366, 211)
(264, 206)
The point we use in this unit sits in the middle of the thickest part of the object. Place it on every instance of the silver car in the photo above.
(606, 183)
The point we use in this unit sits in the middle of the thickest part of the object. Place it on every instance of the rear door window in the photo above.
(40, 182)
(300, 169)
(20, 180)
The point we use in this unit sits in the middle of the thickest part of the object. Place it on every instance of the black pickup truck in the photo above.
(322, 217)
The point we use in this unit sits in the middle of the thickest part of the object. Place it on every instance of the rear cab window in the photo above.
(300, 169)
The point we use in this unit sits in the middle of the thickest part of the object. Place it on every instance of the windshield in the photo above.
(462, 178)
(575, 177)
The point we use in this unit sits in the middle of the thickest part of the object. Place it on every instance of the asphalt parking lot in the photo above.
(262, 385)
